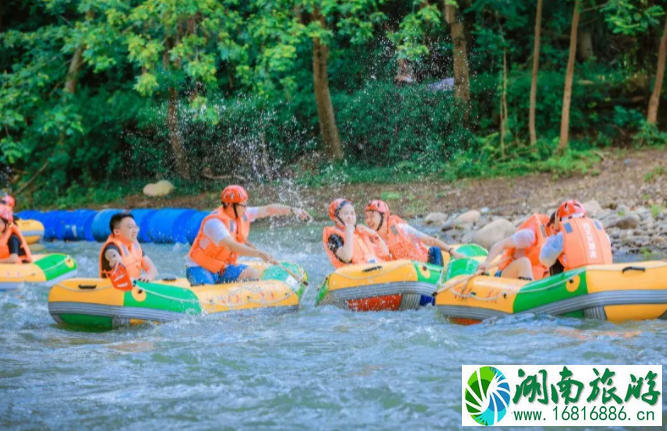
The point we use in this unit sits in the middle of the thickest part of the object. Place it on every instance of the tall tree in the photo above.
(325, 111)
(569, 77)
(536, 67)
(654, 102)
(460, 51)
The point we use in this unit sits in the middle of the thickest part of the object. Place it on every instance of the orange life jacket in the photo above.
(4, 244)
(130, 252)
(401, 245)
(537, 224)
(214, 257)
(585, 242)
(365, 249)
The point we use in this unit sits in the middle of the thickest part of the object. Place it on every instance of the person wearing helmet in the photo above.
(223, 236)
(13, 248)
(347, 243)
(122, 248)
(403, 240)
(579, 241)
(521, 251)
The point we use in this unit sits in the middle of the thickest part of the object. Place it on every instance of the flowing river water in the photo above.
(319, 368)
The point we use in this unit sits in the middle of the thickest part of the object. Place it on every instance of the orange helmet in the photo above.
(570, 208)
(8, 200)
(336, 206)
(379, 206)
(234, 195)
(6, 213)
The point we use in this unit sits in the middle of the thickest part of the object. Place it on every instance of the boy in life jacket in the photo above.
(347, 243)
(404, 241)
(579, 241)
(122, 248)
(521, 251)
(222, 238)
(13, 248)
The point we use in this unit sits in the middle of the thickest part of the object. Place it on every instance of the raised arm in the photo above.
(282, 210)
(495, 251)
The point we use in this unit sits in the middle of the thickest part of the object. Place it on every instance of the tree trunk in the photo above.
(175, 137)
(585, 44)
(461, 70)
(569, 76)
(73, 72)
(325, 111)
(503, 107)
(536, 67)
(654, 103)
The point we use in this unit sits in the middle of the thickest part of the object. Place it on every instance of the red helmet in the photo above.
(234, 195)
(379, 206)
(8, 200)
(570, 208)
(6, 213)
(336, 206)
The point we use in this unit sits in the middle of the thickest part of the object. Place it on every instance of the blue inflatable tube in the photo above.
(30, 215)
(143, 217)
(100, 224)
(168, 225)
(78, 225)
(193, 225)
(54, 225)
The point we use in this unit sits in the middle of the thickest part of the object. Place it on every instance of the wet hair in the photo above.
(552, 219)
(114, 223)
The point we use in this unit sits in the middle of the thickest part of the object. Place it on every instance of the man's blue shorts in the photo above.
(197, 275)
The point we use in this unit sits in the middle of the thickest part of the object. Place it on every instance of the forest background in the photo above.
(100, 96)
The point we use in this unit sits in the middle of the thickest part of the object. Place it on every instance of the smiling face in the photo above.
(373, 219)
(348, 215)
(127, 228)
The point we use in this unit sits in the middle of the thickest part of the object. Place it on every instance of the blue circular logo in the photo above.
(487, 395)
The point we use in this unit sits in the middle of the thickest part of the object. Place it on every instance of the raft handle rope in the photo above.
(42, 271)
(87, 286)
(252, 289)
(517, 289)
(633, 268)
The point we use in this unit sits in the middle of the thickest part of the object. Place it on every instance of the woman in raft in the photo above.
(347, 243)
(13, 248)
(403, 240)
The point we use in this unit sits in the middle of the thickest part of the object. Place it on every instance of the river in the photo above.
(320, 368)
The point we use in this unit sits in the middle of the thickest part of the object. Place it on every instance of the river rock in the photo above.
(593, 208)
(435, 218)
(471, 216)
(159, 189)
(493, 232)
(627, 222)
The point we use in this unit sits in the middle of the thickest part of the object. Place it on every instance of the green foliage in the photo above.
(655, 173)
(656, 210)
(238, 78)
(649, 135)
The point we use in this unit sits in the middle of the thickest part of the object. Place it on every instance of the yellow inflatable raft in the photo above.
(388, 286)
(46, 269)
(32, 230)
(618, 292)
(96, 303)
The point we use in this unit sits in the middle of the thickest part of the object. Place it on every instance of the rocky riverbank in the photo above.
(633, 230)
